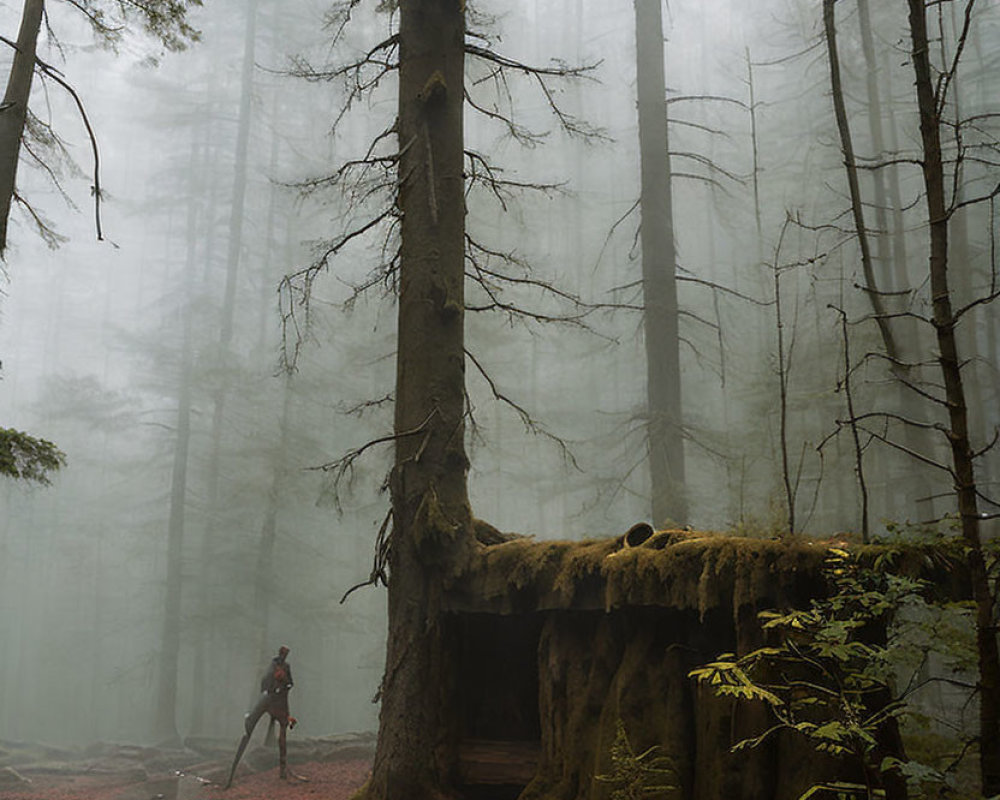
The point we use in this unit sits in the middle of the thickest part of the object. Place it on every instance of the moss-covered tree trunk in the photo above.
(659, 286)
(416, 753)
(962, 459)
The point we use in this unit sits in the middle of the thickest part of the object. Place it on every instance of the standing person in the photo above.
(274, 687)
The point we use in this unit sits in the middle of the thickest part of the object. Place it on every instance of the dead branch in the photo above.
(898, 362)
(527, 420)
(49, 234)
(519, 133)
(853, 421)
(343, 467)
(713, 97)
(697, 126)
(975, 200)
(295, 289)
(945, 78)
(361, 408)
(301, 68)
(693, 176)
(611, 231)
(891, 162)
(380, 564)
(718, 287)
(570, 125)
(910, 452)
(483, 173)
(490, 279)
(986, 448)
(892, 416)
(49, 71)
(985, 300)
(710, 164)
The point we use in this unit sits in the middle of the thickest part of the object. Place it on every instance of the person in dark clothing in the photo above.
(274, 687)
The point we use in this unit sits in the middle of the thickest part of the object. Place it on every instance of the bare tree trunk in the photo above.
(752, 106)
(857, 207)
(416, 753)
(234, 247)
(877, 138)
(15, 108)
(859, 465)
(788, 482)
(660, 319)
(165, 722)
(264, 584)
(962, 458)
(898, 358)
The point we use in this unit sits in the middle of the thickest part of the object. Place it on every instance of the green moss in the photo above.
(440, 538)
(675, 569)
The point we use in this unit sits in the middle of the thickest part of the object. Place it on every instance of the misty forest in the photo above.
(600, 399)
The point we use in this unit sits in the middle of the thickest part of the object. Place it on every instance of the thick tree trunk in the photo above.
(938, 216)
(665, 431)
(15, 108)
(416, 752)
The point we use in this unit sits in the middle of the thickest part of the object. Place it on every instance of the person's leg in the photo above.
(249, 723)
(282, 749)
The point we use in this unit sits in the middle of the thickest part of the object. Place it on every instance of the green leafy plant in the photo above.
(636, 776)
(831, 677)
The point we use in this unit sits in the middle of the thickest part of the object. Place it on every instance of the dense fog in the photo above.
(191, 388)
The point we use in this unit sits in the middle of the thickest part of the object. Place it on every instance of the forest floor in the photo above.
(331, 768)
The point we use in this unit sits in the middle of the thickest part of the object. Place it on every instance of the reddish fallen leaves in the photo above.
(329, 780)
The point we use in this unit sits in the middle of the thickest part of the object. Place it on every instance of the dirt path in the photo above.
(330, 768)
(330, 781)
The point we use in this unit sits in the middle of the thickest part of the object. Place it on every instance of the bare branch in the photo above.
(725, 289)
(483, 173)
(909, 451)
(571, 125)
(710, 164)
(947, 77)
(49, 71)
(295, 289)
(702, 97)
(49, 235)
(381, 561)
(343, 467)
(529, 423)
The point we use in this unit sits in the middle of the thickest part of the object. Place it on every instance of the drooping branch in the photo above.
(569, 124)
(380, 564)
(295, 289)
(530, 423)
(484, 174)
(343, 467)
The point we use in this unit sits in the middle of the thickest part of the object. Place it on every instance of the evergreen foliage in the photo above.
(26, 458)
(165, 20)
